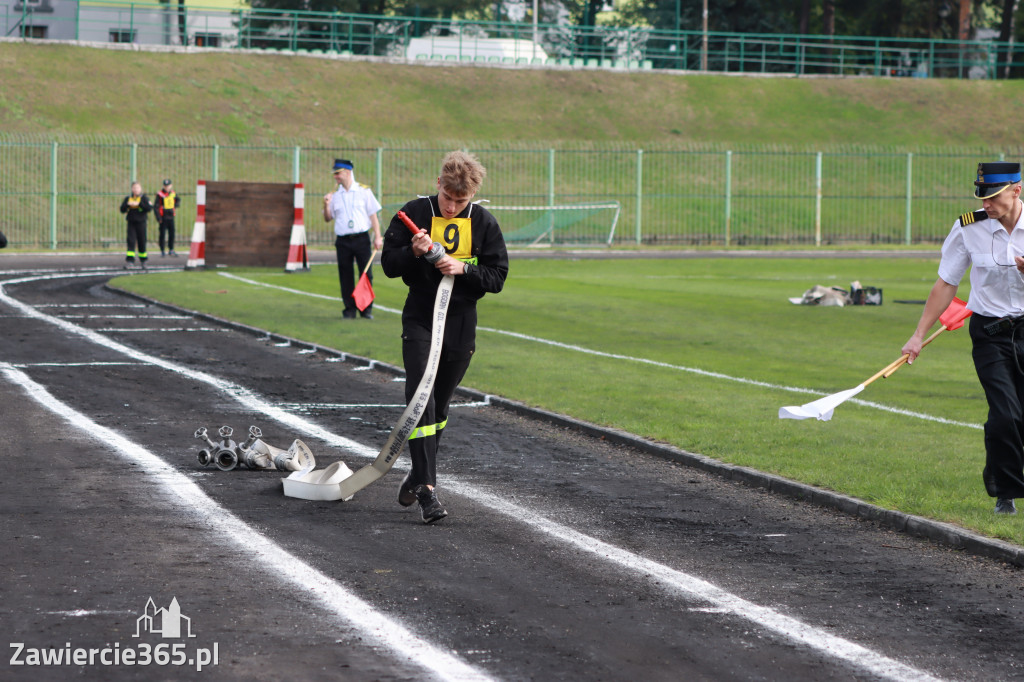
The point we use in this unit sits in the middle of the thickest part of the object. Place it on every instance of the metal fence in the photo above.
(65, 193)
(490, 42)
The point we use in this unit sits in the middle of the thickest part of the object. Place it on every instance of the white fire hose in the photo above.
(337, 482)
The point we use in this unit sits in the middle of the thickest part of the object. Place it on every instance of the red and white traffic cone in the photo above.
(197, 252)
(297, 246)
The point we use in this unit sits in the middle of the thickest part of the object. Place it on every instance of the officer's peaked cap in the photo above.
(995, 177)
(342, 163)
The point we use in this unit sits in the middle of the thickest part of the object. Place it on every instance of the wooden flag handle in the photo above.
(891, 367)
(888, 371)
(369, 262)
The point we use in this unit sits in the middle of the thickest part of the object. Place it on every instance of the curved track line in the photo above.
(321, 589)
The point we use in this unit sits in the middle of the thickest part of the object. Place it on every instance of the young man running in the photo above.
(476, 256)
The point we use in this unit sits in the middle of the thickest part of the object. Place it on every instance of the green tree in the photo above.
(735, 16)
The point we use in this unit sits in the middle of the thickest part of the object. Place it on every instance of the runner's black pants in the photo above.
(456, 354)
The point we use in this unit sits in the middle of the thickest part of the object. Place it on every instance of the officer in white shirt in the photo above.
(990, 243)
(353, 208)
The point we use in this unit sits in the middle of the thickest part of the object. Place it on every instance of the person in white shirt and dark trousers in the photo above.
(353, 208)
(990, 242)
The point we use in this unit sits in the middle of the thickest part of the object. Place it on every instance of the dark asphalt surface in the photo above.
(565, 556)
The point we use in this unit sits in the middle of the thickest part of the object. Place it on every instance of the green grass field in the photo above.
(699, 353)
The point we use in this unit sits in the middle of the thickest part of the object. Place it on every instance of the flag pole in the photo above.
(952, 318)
(888, 371)
(373, 255)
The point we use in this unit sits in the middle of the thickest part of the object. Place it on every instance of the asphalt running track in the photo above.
(565, 556)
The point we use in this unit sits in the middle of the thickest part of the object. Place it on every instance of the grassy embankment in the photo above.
(246, 98)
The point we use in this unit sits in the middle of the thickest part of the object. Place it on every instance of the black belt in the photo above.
(1002, 325)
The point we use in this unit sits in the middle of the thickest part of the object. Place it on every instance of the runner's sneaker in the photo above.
(406, 493)
(430, 508)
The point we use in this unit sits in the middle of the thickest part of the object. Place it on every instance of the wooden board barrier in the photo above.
(249, 223)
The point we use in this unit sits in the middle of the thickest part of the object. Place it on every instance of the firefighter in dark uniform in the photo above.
(477, 258)
(167, 203)
(136, 208)
(990, 242)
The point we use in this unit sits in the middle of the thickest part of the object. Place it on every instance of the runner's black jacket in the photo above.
(488, 261)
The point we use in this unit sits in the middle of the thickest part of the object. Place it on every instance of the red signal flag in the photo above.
(363, 293)
(953, 317)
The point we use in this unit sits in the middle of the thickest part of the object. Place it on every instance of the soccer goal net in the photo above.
(591, 223)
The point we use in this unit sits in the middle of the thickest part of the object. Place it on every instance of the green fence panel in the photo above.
(65, 193)
(684, 198)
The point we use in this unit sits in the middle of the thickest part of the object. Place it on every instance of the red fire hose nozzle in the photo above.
(436, 250)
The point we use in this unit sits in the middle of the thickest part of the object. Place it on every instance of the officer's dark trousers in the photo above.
(456, 353)
(996, 360)
(352, 249)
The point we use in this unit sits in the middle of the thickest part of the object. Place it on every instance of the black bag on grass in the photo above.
(866, 296)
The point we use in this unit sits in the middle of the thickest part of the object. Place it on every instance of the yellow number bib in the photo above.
(454, 234)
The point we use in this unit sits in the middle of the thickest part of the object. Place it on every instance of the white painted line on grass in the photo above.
(655, 363)
(289, 290)
(684, 584)
(276, 561)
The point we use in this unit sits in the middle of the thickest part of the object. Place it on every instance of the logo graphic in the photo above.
(164, 622)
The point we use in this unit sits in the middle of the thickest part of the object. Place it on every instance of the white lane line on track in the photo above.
(93, 316)
(305, 407)
(684, 584)
(320, 588)
(693, 587)
(646, 361)
(163, 330)
(90, 305)
(23, 365)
